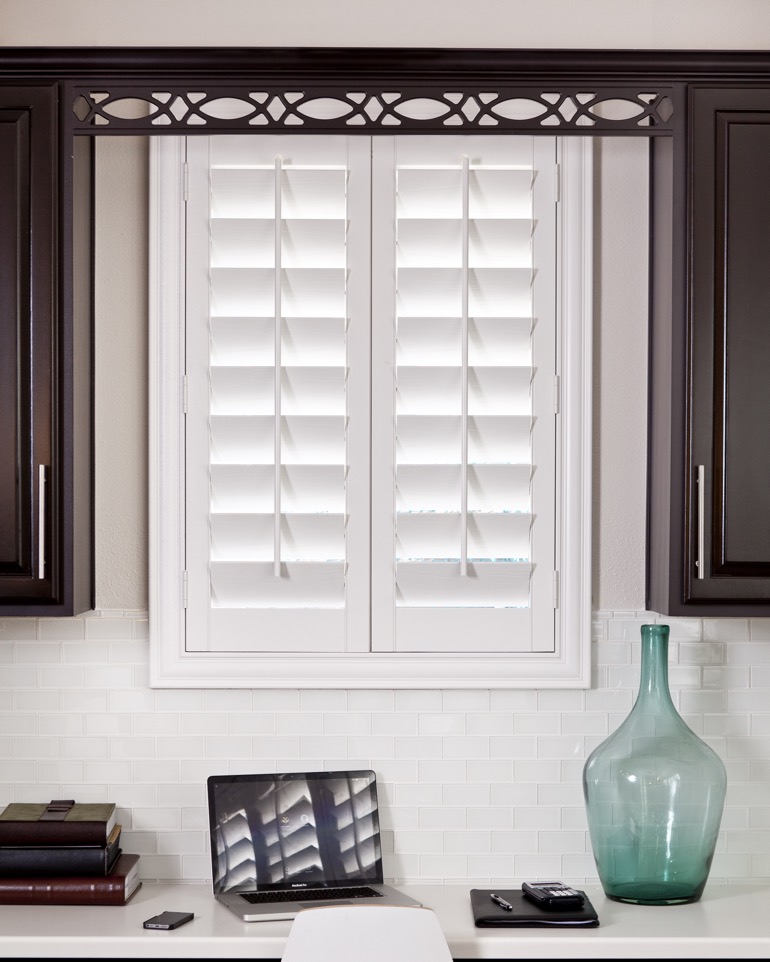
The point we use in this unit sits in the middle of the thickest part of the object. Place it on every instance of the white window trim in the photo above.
(566, 667)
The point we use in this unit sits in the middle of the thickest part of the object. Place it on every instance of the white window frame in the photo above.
(568, 666)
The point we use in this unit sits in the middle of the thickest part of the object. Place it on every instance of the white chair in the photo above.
(366, 933)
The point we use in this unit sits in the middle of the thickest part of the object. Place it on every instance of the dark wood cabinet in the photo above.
(42, 473)
(715, 556)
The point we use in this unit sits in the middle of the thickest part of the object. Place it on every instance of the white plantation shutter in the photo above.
(277, 422)
(464, 382)
(372, 463)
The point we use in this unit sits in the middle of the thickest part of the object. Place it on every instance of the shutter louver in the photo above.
(474, 355)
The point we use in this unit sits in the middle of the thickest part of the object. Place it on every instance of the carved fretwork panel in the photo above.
(113, 109)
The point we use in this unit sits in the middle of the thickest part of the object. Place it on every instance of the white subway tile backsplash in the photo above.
(444, 866)
(109, 676)
(489, 723)
(513, 746)
(275, 747)
(475, 794)
(514, 702)
(443, 723)
(474, 785)
(251, 723)
(465, 843)
(18, 629)
(371, 700)
(537, 723)
(725, 629)
(206, 746)
(371, 746)
(228, 700)
(513, 794)
(59, 771)
(562, 843)
(61, 629)
(192, 818)
(13, 724)
(15, 676)
(346, 723)
(466, 746)
(445, 818)
(487, 772)
(180, 843)
(560, 793)
(421, 746)
(48, 746)
(489, 817)
(759, 629)
(443, 771)
(760, 677)
(94, 723)
(515, 842)
(20, 775)
(418, 700)
(156, 772)
(107, 629)
(419, 843)
(179, 700)
(107, 771)
(725, 724)
(136, 701)
(273, 701)
(204, 723)
(529, 819)
(322, 746)
(455, 700)
(497, 866)
(419, 795)
(314, 701)
(537, 866)
(683, 629)
(31, 653)
(401, 723)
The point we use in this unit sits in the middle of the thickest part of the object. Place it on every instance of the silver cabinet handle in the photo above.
(700, 481)
(41, 481)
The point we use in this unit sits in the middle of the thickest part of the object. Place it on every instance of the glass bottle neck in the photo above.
(653, 683)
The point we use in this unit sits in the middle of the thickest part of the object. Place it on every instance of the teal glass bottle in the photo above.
(654, 795)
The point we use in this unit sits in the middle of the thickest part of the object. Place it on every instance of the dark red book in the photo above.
(113, 889)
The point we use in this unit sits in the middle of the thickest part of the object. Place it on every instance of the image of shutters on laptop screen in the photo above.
(287, 831)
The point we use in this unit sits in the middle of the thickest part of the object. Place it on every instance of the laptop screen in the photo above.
(296, 830)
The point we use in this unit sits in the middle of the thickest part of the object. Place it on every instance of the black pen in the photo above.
(506, 905)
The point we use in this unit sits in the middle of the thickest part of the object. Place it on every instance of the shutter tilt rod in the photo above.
(277, 377)
(464, 376)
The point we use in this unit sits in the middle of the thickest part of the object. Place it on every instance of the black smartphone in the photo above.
(168, 920)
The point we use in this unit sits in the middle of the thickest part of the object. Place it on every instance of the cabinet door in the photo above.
(727, 496)
(35, 358)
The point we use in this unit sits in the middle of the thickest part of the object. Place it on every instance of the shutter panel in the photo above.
(277, 417)
(464, 363)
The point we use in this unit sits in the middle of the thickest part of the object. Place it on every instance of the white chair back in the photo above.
(366, 933)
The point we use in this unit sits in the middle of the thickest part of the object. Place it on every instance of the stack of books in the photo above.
(64, 853)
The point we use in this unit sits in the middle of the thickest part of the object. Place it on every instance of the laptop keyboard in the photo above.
(307, 895)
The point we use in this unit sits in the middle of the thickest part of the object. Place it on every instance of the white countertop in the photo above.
(728, 922)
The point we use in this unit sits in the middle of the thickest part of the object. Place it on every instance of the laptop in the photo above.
(284, 842)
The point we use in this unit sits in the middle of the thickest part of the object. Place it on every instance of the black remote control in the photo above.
(552, 895)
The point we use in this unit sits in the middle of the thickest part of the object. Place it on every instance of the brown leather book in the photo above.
(113, 889)
(57, 823)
